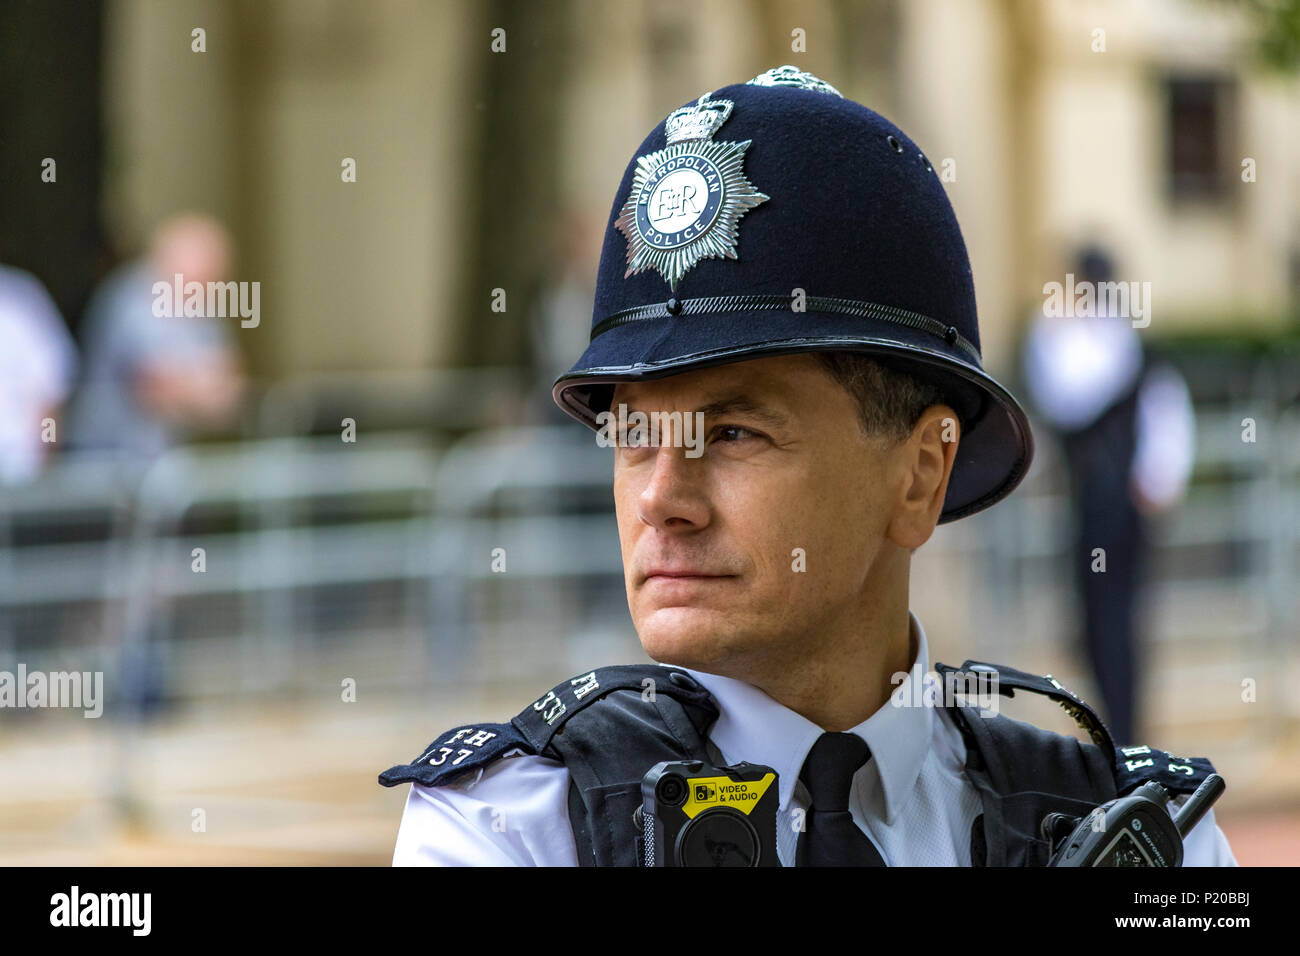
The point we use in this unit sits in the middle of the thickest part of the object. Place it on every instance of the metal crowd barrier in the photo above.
(507, 535)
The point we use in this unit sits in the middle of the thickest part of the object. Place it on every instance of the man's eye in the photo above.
(634, 438)
(732, 433)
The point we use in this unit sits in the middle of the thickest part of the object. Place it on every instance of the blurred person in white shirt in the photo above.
(150, 379)
(37, 363)
(1126, 425)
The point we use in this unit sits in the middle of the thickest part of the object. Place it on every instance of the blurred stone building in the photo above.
(478, 170)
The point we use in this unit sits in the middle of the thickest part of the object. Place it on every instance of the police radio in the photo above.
(695, 814)
(1135, 830)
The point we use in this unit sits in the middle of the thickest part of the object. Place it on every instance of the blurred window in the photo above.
(1199, 126)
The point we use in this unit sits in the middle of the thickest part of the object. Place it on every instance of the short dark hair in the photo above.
(890, 401)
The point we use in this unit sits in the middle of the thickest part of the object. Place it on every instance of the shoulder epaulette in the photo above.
(530, 732)
(1136, 765)
(457, 752)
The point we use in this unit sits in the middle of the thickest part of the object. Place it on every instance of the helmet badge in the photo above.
(687, 198)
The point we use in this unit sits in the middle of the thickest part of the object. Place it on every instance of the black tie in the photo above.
(830, 836)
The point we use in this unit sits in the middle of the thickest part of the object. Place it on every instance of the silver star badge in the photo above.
(687, 198)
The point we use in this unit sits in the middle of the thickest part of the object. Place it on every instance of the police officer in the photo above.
(785, 355)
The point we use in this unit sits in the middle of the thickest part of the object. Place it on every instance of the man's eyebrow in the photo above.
(744, 405)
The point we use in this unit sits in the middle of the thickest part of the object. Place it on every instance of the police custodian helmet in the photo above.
(774, 217)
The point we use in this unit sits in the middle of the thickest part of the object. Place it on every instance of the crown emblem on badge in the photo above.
(697, 121)
(687, 199)
(793, 76)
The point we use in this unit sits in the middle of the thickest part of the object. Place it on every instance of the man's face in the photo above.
(735, 557)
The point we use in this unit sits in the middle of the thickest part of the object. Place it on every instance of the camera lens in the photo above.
(718, 837)
(671, 790)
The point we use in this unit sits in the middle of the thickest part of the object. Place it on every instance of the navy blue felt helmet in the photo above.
(774, 217)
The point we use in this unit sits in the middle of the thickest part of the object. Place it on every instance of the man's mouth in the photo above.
(682, 576)
(679, 573)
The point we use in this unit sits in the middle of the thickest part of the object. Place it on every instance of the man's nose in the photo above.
(673, 498)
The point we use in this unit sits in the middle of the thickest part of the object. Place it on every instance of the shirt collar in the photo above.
(752, 726)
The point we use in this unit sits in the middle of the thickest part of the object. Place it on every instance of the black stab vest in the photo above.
(611, 725)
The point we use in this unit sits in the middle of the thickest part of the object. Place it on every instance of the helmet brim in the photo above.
(996, 444)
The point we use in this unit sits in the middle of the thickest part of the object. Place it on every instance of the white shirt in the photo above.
(1076, 367)
(1166, 436)
(37, 363)
(912, 798)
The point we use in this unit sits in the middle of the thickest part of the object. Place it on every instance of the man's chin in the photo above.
(690, 636)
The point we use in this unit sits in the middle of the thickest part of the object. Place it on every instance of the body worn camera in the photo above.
(1135, 830)
(696, 814)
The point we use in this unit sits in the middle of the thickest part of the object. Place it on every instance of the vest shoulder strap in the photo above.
(610, 745)
(1023, 772)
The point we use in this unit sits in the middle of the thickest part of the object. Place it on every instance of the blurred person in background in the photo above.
(1126, 427)
(37, 362)
(150, 380)
(155, 374)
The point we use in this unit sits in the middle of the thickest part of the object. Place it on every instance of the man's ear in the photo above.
(925, 460)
